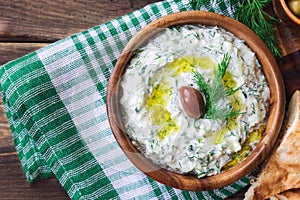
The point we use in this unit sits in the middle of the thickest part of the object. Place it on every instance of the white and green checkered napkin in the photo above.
(55, 104)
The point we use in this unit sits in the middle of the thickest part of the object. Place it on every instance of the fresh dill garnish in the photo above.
(216, 91)
(222, 67)
(250, 13)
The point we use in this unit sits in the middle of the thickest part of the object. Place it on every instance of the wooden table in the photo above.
(28, 25)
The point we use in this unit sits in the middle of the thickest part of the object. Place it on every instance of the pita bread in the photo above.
(293, 194)
(281, 171)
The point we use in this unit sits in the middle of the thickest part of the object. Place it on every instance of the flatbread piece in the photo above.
(281, 171)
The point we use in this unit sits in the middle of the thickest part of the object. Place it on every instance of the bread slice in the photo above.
(281, 171)
(293, 194)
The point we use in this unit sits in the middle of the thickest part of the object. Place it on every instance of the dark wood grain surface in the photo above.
(27, 25)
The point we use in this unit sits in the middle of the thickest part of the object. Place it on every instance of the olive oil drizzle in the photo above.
(239, 156)
(160, 116)
(237, 106)
(156, 102)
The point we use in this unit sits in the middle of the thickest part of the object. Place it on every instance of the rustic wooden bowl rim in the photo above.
(275, 119)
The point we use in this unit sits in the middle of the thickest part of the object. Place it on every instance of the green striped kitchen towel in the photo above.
(55, 104)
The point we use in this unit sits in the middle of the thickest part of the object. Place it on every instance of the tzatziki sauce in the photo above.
(155, 120)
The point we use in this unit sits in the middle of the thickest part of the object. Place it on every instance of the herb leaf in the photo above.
(222, 67)
(215, 91)
(200, 81)
(250, 13)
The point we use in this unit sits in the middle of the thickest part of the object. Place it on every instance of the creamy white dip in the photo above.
(154, 117)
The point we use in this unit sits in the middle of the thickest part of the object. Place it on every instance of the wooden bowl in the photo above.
(285, 14)
(274, 122)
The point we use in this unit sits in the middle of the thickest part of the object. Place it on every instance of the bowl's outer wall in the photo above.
(276, 112)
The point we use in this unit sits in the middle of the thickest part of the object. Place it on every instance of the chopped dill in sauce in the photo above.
(153, 115)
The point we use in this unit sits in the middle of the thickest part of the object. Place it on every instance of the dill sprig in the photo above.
(250, 13)
(215, 91)
(222, 67)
